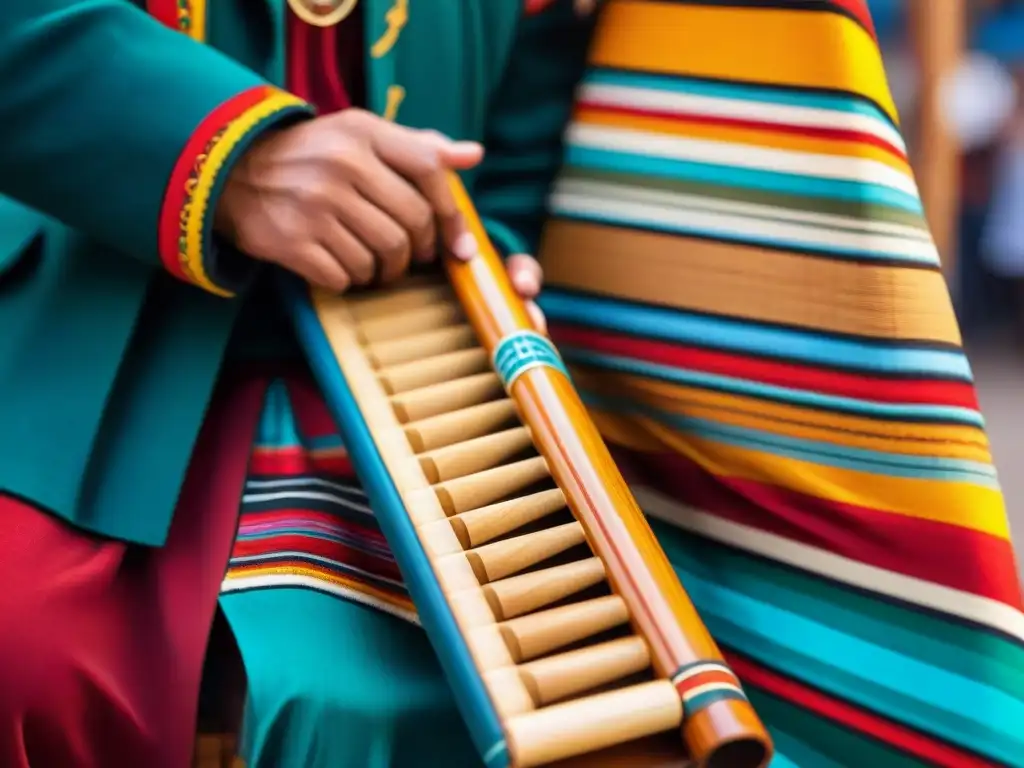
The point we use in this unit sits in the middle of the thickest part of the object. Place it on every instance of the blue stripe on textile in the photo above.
(277, 427)
(745, 93)
(814, 451)
(904, 411)
(965, 711)
(781, 760)
(731, 176)
(681, 327)
(725, 235)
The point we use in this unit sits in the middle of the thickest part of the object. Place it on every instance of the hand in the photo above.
(347, 197)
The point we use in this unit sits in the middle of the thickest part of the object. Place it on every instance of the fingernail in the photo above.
(465, 246)
(525, 283)
(467, 146)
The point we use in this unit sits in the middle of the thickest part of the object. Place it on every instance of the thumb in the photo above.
(457, 155)
(462, 155)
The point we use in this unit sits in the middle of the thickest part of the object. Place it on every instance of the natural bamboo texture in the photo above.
(581, 633)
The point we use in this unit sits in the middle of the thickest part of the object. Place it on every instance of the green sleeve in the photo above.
(124, 129)
(525, 126)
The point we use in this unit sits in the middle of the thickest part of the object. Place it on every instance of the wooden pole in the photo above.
(938, 35)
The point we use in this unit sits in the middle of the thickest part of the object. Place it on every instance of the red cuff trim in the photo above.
(184, 225)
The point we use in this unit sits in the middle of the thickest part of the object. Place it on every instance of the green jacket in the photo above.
(116, 303)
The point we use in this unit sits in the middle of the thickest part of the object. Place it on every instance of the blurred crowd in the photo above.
(984, 104)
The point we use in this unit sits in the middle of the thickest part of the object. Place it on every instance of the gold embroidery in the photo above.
(396, 95)
(397, 17)
(323, 13)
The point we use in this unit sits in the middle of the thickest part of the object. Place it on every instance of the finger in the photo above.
(426, 158)
(319, 267)
(540, 323)
(386, 239)
(346, 248)
(526, 275)
(400, 200)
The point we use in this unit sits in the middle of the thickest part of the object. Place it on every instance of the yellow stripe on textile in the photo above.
(954, 503)
(907, 437)
(764, 46)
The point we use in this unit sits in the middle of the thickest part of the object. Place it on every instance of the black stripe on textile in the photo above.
(282, 483)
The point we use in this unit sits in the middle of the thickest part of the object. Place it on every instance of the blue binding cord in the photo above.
(434, 613)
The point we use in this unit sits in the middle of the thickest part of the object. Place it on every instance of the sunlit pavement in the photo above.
(999, 372)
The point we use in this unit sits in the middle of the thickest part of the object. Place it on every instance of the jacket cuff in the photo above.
(505, 239)
(190, 199)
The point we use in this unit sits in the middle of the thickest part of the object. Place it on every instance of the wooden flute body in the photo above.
(468, 434)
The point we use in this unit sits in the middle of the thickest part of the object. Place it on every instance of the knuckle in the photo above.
(421, 218)
(349, 160)
(338, 280)
(433, 136)
(428, 162)
(394, 244)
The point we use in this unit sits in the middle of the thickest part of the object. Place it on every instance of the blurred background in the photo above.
(956, 70)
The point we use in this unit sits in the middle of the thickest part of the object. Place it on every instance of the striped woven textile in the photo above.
(740, 275)
(305, 521)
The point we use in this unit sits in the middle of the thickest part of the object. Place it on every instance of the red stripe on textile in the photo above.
(270, 517)
(854, 718)
(940, 553)
(298, 461)
(311, 414)
(859, 10)
(279, 527)
(695, 118)
(784, 374)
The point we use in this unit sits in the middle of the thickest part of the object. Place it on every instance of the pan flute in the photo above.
(556, 616)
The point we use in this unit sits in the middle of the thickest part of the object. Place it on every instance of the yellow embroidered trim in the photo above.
(397, 17)
(192, 18)
(395, 97)
(209, 164)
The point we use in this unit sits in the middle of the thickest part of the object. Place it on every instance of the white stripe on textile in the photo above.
(590, 188)
(808, 164)
(671, 102)
(617, 210)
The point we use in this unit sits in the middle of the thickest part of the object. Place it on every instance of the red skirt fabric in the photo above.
(102, 642)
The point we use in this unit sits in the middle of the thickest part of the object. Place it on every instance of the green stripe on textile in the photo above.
(864, 211)
(810, 741)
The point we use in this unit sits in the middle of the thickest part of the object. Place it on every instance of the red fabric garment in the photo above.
(102, 642)
(325, 64)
